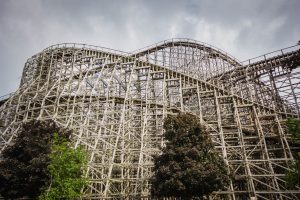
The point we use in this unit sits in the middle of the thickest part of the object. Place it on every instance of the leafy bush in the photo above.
(66, 169)
(292, 177)
(189, 165)
(23, 169)
(293, 128)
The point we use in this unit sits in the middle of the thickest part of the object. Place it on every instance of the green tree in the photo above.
(293, 128)
(66, 168)
(23, 168)
(189, 166)
(292, 177)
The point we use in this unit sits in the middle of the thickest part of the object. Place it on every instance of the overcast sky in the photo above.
(244, 29)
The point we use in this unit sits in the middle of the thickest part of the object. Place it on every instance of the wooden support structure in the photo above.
(115, 103)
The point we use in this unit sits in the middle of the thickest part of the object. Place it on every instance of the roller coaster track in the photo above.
(272, 72)
(115, 103)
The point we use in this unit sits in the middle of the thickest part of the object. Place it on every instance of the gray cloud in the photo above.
(242, 28)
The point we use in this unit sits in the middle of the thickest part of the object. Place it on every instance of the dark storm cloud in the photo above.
(256, 26)
(243, 28)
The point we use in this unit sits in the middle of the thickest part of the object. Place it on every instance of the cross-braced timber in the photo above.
(115, 103)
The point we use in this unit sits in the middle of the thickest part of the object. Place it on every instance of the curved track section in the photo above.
(190, 57)
(273, 77)
(115, 103)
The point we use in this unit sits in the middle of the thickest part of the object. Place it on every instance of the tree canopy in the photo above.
(293, 128)
(23, 169)
(66, 169)
(189, 166)
(293, 176)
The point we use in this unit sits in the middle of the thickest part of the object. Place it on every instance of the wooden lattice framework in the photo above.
(115, 103)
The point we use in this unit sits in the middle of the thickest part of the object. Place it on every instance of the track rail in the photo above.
(115, 103)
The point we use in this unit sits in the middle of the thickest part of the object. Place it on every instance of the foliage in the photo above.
(188, 166)
(66, 168)
(293, 177)
(293, 126)
(23, 169)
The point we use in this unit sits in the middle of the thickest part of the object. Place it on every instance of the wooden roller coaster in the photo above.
(115, 103)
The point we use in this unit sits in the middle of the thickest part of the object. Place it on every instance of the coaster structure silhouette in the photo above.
(115, 102)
